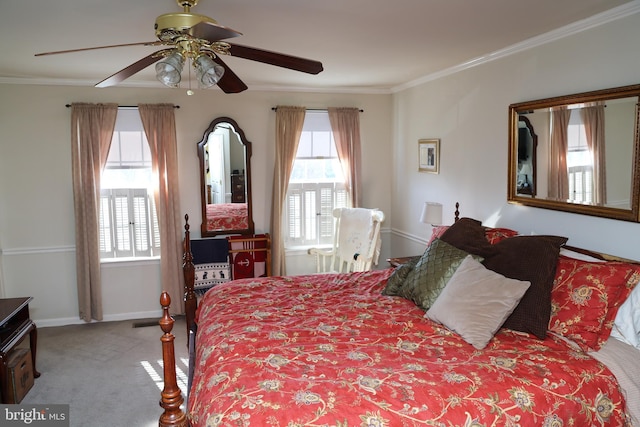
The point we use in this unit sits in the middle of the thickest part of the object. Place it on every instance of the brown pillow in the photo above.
(468, 234)
(529, 258)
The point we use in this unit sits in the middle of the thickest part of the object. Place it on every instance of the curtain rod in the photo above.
(123, 106)
(312, 109)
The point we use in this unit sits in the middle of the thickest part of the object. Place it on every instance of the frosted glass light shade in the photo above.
(168, 70)
(208, 72)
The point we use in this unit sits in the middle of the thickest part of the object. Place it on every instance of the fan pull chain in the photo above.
(189, 91)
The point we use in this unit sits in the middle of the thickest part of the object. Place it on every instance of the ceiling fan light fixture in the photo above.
(168, 70)
(208, 72)
(200, 39)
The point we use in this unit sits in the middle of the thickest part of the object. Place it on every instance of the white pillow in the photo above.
(476, 302)
(626, 327)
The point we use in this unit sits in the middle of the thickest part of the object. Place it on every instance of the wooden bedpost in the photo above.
(171, 396)
(456, 213)
(188, 270)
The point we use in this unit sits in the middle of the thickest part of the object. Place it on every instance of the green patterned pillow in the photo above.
(399, 275)
(428, 277)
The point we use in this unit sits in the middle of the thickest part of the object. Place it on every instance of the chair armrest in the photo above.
(320, 251)
(321, 258)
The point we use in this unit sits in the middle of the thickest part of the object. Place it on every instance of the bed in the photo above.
(375, 349)
(227, 216)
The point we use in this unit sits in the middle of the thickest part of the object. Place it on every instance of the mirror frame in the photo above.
(631, 214)
(203, 187)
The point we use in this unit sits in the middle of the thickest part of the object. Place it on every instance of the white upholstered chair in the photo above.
(356, 242)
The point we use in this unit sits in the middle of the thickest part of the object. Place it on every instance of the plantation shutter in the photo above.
(128, 224)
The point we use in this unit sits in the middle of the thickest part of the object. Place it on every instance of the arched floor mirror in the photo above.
(225, 176)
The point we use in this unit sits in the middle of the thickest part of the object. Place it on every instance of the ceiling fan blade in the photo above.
(277, 59)
(155, 43)
(129, 71)
(211, 32)
(230, 82)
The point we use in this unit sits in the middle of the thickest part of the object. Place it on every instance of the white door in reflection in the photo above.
(216, 168)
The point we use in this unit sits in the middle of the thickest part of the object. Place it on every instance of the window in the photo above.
(579, 161)
(316, 186)
(128, 220)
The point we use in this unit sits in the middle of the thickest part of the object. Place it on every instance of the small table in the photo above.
(401, 260)
(15, 324)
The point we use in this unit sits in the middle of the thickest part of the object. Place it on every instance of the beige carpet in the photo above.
(110, 373)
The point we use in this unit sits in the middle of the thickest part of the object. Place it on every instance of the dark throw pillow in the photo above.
(529, 258)
(468, 234)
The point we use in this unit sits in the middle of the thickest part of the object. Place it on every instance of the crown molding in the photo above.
(594, 21)
(155, 85)
(69, 82)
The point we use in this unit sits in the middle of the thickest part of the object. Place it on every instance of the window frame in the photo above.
(580, 174)
(316, 228)
(131, 230)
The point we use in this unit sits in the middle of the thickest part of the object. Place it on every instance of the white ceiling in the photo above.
(364, 45)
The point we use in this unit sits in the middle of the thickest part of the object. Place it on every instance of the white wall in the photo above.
(37, 243)
(468, 110)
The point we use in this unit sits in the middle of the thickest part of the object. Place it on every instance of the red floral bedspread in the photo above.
(227, 216)
(331, 350)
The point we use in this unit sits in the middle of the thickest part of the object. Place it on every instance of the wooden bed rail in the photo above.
(171, 396)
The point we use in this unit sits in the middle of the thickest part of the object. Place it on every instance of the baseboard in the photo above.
(46, 323)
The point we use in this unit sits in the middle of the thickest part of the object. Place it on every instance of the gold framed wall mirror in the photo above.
(224, 155)
(577, 153)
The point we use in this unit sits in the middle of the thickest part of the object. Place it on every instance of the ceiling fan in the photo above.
(200, 39)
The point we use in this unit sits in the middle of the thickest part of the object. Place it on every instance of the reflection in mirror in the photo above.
(583, 157)
(527, 153)
(225, 177)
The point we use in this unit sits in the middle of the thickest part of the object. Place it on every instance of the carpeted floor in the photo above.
(110, 373)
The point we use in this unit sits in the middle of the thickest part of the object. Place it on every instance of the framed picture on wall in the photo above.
(429, 155)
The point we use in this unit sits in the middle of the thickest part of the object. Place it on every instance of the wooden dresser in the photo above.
(238, 191)
(15, 324)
